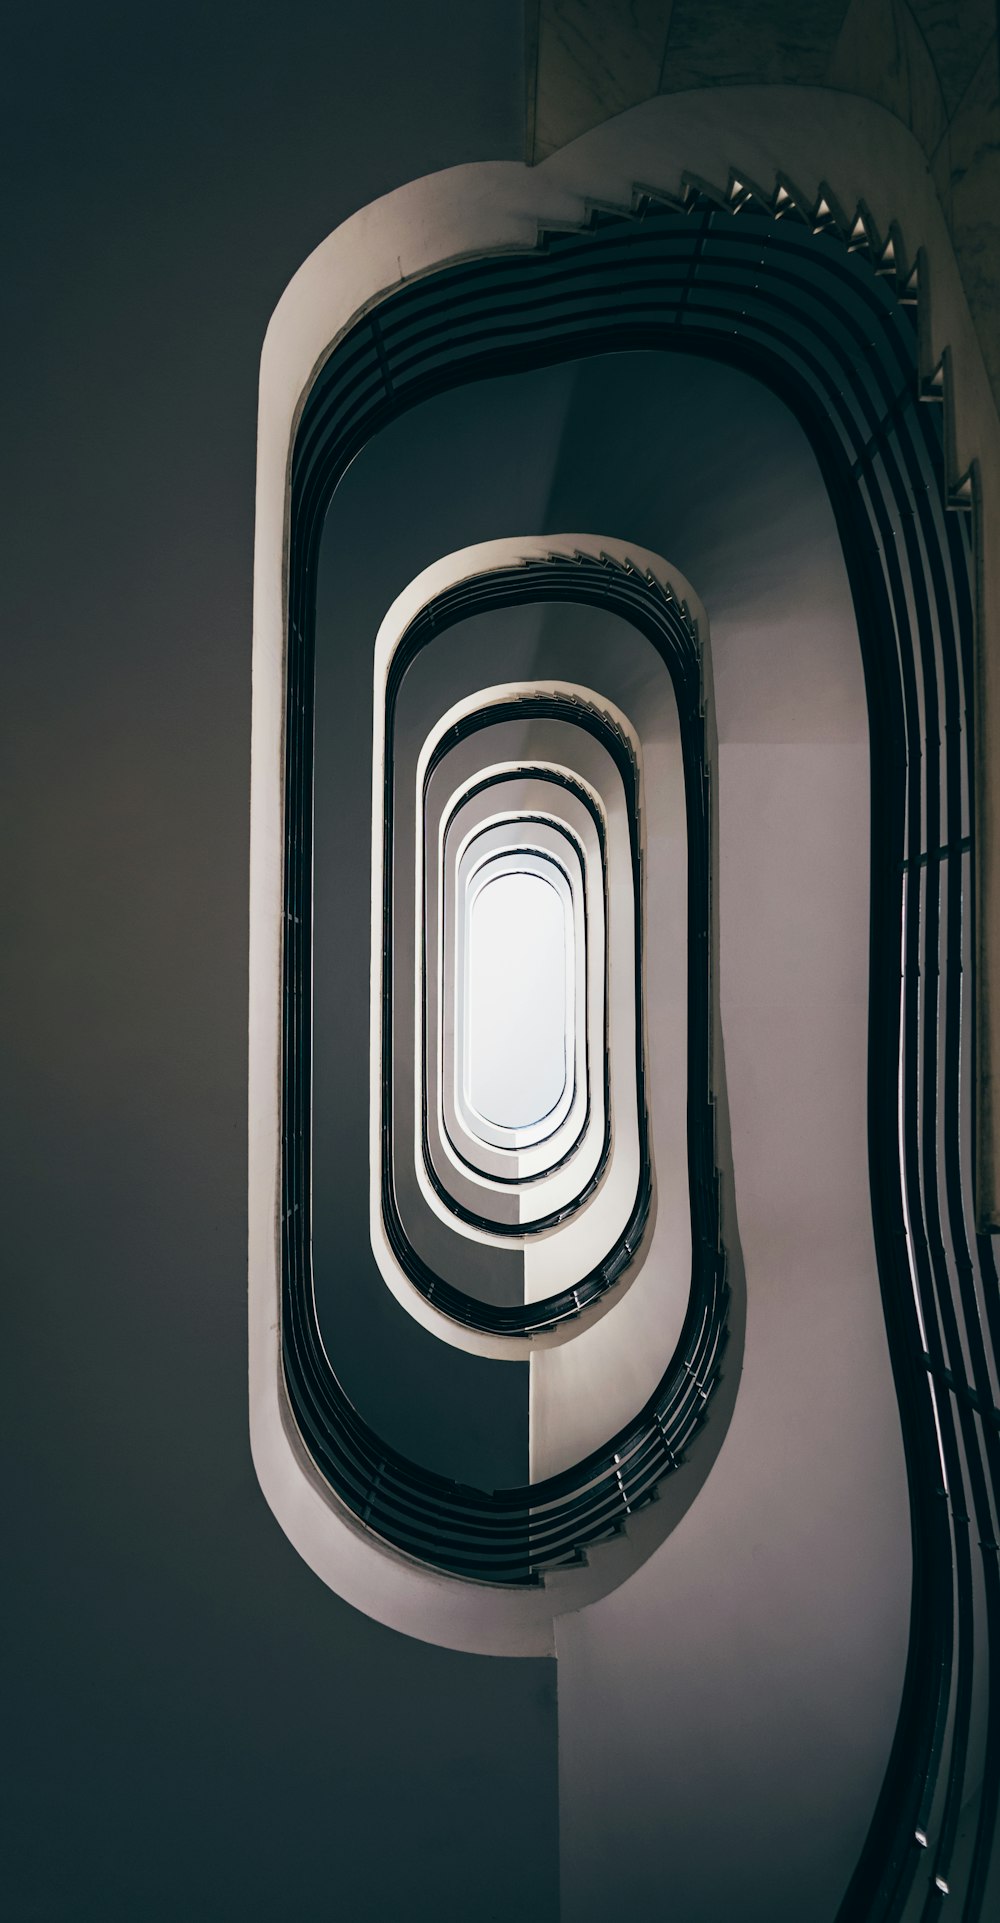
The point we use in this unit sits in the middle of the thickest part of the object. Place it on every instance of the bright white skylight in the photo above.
(518, 995)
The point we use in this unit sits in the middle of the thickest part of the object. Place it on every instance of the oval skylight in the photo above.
(518, 1012)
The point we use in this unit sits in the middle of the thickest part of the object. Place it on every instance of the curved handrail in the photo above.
(820, 322)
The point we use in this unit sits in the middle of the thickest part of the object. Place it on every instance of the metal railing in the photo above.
(816, 310)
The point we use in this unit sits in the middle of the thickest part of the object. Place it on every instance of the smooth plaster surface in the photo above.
(175, 1671)
(195, 1727)
(746, 1680)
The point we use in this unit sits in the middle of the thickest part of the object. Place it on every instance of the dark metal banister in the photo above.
(815, 322)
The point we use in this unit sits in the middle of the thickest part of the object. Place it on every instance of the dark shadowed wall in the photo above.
(195, 1726)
